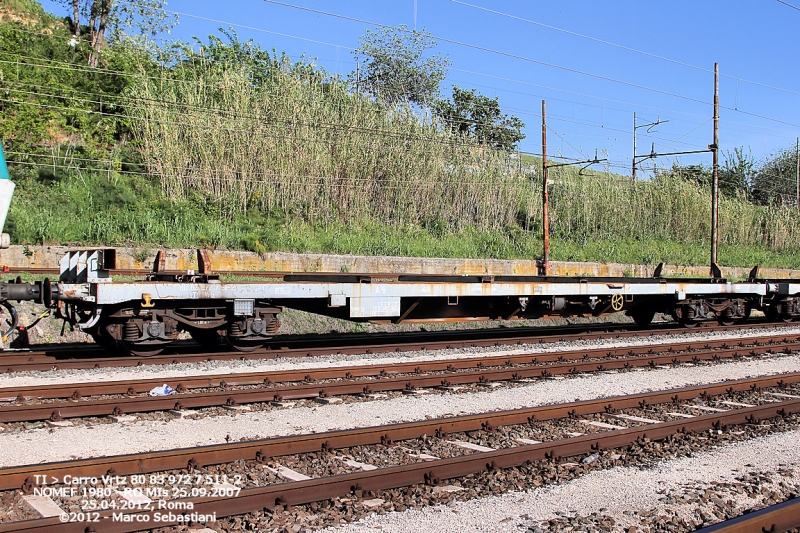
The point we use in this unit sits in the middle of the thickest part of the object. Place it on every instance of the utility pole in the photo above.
(797, 170)
(633, 161)
(545, 215)
(715, 173)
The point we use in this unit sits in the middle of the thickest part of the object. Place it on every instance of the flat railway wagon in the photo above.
(143, 317)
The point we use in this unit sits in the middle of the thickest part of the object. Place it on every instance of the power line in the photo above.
(576, 122)
(474, 73)
(634, 105)
(763, 117)
(499, 52)
(349, 128)
(530, 60)
(628, 48)
(258, 119)
(790, 5)
(266, 177)
(253, 28)
(110, 100)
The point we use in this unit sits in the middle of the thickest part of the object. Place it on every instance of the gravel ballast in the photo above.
(735, 477)
(45, 445)
(55, 377)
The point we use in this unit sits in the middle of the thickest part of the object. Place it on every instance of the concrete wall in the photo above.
(23, 257)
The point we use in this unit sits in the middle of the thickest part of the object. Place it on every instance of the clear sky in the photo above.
(661, 55)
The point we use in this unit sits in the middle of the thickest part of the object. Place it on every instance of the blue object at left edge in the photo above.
(3, 168)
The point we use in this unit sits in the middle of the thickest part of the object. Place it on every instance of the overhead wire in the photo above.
(266, 177)
(499, 52)
(226, 112)
(628, 48)
(454, 69)
(107, 71)
(790, 5)
(111, 100)
(531, 60)
(474, 73)
(501, 78)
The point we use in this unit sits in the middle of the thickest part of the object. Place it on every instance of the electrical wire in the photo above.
(481, 74)
(465, 44)
(122, 100)
(501, 53)
(628, 48)
(531, 60)
(265, 178)
(790, 5)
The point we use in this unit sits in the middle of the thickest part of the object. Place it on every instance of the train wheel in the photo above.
(642, 317)
(143, 350)
(687, 316)
(101, 335)
(245, 345)
(158, 337)
(725, 318)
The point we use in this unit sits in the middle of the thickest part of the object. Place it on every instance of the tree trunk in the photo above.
(76, 18)
(100, 13)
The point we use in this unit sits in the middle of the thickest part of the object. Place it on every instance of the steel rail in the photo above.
(430, 473)
(38, 361)
(132, 387)
(329, 340)
(140, 404)
(775, 519)
(23, 476)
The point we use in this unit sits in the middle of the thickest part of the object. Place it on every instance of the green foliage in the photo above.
(251, 243)
(53, 105)
(394, 69)
(775, 180)
(736, 172)
(741, 175)
(28, 8)
(247, 57)
(91, 20)
(299, 144)
(227, 145)
(479, 116)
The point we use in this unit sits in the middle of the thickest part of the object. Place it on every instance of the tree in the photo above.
(392, 67)
(148, 17)
(246, 56)
(479, 116)
(775, 180)
(736, 172)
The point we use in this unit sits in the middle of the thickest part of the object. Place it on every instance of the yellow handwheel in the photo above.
(616, 302)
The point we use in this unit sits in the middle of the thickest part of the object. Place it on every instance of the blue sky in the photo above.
(753, 41)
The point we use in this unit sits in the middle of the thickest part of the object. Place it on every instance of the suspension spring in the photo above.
(130, 331)
(273, 325)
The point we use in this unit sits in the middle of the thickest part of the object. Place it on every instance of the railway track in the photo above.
(369, 464)
(35, 403)
(777, 518)
(83, 357)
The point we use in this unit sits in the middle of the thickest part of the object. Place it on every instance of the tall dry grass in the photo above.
(310, 148)
(302, 145)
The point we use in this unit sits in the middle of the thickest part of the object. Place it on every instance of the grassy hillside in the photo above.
(242, 149)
